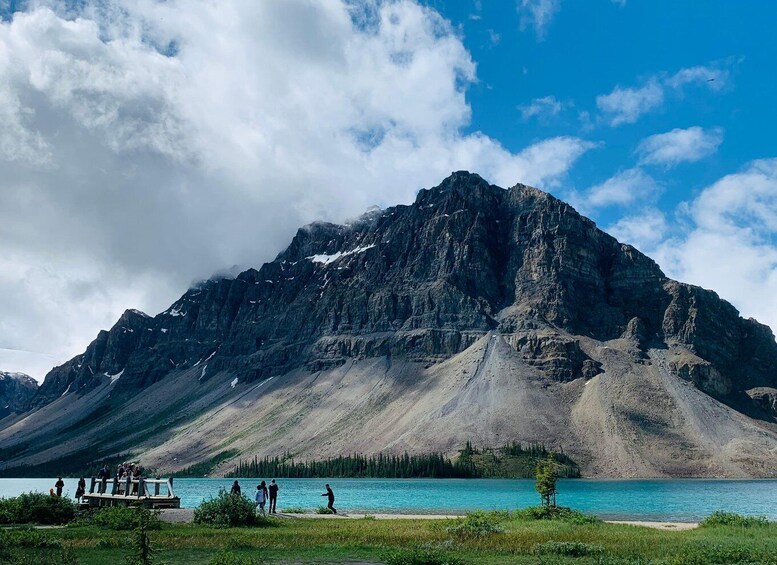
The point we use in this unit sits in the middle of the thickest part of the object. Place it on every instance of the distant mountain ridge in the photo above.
(515, 278)
(16, 392)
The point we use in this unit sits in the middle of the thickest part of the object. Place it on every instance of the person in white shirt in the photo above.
(261, 497)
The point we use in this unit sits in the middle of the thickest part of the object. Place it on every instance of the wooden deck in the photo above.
(152, 493)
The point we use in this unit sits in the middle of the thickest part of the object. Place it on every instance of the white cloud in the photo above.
(731, 245)
(622, 189)
(537, 14)
(626, 105)
(644, 230)
(125, 173)
(547, 106)
(679, 145)
(713, 77)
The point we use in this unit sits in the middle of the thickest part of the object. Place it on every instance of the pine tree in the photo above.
(546, 481)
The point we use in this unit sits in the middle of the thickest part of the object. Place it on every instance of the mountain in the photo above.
(16, 392)
(476, 313)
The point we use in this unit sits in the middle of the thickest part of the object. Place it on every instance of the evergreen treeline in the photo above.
(433, 465)
(516, 461)
(510, 461)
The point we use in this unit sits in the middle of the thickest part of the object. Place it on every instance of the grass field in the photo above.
(491, 539)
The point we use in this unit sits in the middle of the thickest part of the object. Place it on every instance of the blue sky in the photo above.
(145, 145)
(586, 49)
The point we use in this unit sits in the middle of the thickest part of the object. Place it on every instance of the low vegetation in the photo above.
(731, 519)
(229, 511)
(522, 536)
(478, 525)
(36, 508)
(122, 518)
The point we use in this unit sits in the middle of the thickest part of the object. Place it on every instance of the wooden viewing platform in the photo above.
(126, 492)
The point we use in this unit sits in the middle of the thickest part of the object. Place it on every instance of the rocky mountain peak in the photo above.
(421, 282)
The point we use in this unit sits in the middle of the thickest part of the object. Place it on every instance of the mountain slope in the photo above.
(477, 313)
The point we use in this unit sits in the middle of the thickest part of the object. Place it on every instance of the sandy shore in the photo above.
(185, 515)
(675, 526)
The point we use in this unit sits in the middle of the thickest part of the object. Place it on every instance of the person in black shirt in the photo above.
(235, 488)
(273, 496)
(331, 497)
(59, 485)
(81, 489)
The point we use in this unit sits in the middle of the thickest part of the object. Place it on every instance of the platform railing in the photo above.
(127, 486)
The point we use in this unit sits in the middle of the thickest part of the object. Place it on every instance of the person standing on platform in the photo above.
(81, 489)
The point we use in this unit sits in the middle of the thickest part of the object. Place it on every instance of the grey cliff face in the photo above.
(16, 391)
(424, 282)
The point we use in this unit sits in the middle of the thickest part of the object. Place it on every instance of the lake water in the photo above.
(685, 500)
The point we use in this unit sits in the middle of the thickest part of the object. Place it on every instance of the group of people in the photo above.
(60, 484)
(123, 471)
(265, 493)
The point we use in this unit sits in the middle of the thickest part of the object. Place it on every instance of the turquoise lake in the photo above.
(684, 500)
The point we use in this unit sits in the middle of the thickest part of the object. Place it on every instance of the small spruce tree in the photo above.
(546, 481)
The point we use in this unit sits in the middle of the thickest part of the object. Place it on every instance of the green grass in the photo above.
(501, 538)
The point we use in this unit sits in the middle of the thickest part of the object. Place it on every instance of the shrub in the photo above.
(229, 558)
(124, 518)
(567, 548)
(731, 519)
(477, 525)
(555, 513)
(229, 511)
(324, 510)
(36, 508)
(294, 510)
(420, 556)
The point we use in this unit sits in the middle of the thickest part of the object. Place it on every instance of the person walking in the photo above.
(235, 489)
(81, 489)
(261, 497)
(59, 485)
(331, 498)
(273, 488)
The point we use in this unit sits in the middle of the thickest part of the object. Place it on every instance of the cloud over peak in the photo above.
(147, 144)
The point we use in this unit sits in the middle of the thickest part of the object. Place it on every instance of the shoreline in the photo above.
(186, 515)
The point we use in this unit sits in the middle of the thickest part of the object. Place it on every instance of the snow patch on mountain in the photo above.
(325, 259)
